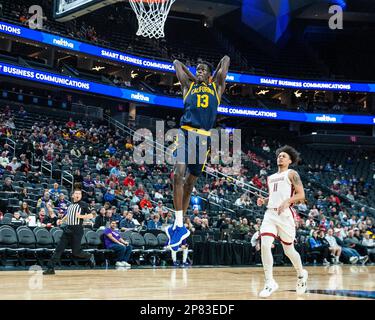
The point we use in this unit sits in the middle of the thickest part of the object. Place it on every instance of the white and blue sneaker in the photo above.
(177, 236)
(169, 232)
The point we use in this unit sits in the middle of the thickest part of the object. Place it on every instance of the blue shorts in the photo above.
(200, 143)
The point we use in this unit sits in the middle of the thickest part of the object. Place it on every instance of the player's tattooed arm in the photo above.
(299, 192)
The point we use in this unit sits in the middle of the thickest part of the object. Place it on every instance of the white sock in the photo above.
(184, 255)
(267, 258)
(294, 258)
(174, 255)
(179, 221)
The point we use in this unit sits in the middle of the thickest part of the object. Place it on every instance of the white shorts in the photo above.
(280, 226)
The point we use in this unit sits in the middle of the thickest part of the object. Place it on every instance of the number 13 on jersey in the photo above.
(202, 101)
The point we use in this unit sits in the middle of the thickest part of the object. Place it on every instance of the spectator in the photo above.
(61, 204)
(99, 166)
(243, 227)
(140, 192)
(351, 254)
(110, 196)
(316, 244)
(129, 181)
(7, 186)
(197, 223)
(196, 201)
(14, 165)
(138, 216)
(353, 221)
(55, 191)
(17, 219)
(4, 160)
(352, 242)
(66, 161)
(111, 150)
(169, 220)
(75, 152)
(70, 124)
(145, 202)
(101, 219)
(113, 241)
(158, 195)
(127, 223)
(78, 178)
(155, 223)
(369, 243)
(195, 214)
(24, 210)
(46, 220)
(334, 248)
(115, 171)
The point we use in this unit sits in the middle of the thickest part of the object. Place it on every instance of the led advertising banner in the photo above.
(34, 75)
(163, 66)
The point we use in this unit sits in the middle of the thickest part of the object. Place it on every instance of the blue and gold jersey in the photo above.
(200, 106)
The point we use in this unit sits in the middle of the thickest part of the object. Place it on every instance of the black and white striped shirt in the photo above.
(74, 210)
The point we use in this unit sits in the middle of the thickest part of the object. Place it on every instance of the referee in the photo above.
(73, 232)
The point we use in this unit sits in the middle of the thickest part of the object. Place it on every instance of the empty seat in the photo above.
(151, 242)
(137, 241)
(44, 240)
(162, 240)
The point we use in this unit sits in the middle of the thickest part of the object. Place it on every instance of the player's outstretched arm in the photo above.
(183, 74)
(220, 74)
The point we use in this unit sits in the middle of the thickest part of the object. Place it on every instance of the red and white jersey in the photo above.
(280, 188)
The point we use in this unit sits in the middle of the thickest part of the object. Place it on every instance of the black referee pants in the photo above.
(71, 235)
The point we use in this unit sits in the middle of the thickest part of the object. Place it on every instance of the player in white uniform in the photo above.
(285, 189)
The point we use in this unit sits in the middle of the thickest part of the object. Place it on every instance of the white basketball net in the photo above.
(151, 15)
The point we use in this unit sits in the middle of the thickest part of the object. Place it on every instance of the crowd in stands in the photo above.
(117, 189)
(83, 30)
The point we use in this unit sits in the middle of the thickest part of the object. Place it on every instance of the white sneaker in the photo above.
(120, 264)
(269, 288)
(363, 259)
(326, 262)
(353, 260)
(128, 265)
(302, 282)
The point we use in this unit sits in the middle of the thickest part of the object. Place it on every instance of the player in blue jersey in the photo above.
(202, 93)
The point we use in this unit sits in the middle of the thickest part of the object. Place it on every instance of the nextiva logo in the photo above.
(140, 97)
(325, 118)
(230, 78)
(63, 43)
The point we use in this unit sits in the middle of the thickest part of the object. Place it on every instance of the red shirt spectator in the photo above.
(145, 203)
(335, 199)
(113, 162)
(129, 181)
(113, 179)
(140, 193)
(70, 124)
(257, 182)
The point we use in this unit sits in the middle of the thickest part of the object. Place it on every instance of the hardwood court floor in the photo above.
(196, 283)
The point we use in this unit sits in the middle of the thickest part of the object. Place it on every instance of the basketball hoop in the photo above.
(151, 15)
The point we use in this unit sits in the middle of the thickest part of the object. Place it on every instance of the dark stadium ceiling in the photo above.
(212, 9)
(356, 11)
